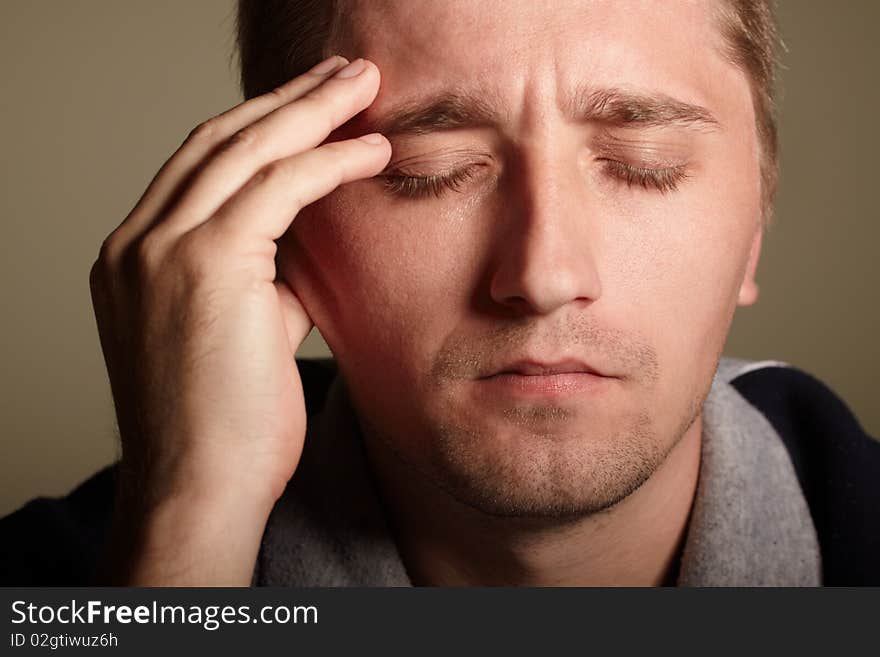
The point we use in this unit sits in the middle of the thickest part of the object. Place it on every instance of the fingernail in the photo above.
(352, 69)
(328, 65)
(373, 138)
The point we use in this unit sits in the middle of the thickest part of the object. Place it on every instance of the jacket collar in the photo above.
(750, 523)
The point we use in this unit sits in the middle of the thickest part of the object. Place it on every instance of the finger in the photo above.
(267, 205)
(167, 183)
(296, 320)
(291, 129)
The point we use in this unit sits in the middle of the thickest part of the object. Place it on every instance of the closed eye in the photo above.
(421, 186)
(665, 179)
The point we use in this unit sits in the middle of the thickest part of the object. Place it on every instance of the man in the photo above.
(526, 271)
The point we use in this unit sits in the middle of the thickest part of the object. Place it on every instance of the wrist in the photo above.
(187, 535)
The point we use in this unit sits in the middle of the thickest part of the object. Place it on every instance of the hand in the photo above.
(199, 338)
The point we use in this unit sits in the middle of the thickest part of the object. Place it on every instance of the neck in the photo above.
(637, 542)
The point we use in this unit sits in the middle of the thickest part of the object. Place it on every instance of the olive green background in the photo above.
(97, 94)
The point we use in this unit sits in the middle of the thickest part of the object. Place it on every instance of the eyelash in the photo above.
(663, 179)
(432, 184)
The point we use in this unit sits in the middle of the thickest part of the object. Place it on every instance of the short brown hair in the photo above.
(280, 39)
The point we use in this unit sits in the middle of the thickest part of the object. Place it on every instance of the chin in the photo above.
(516, 472)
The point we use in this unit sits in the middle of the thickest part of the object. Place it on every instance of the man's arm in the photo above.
(199, 332)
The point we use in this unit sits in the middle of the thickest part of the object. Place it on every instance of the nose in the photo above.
(545, 251)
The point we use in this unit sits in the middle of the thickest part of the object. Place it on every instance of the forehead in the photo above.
(526, 54)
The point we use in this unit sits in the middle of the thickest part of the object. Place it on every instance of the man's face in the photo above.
(605, 210)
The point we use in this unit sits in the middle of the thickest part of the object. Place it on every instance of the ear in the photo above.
(748, 291)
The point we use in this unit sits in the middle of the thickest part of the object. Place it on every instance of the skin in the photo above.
(543, 252)
(540, 254)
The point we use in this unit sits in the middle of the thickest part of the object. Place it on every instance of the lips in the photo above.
(534, 367)
(532, 380)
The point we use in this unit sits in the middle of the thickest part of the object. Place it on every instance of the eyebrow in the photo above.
(616, 107)
(627, 108)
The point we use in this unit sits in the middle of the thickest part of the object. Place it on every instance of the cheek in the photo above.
(388, 283)
(680, 262)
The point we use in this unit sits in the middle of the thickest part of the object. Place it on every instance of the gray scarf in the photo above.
(749, 526)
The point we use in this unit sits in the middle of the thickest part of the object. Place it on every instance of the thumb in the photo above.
(296, 319)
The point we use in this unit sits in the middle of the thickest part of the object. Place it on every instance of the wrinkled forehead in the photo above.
(529, 53)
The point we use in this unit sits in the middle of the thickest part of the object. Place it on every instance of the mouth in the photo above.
(534, 378)
(528, 367)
